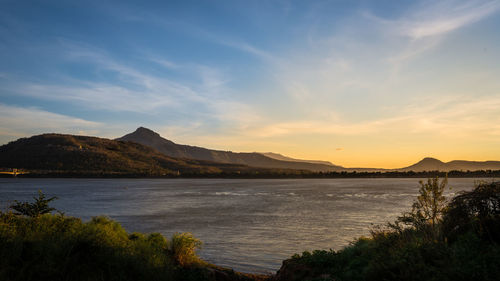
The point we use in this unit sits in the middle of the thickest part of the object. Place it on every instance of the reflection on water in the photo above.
(249, 225)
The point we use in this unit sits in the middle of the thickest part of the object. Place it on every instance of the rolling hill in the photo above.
(432, 164)
(82, 155)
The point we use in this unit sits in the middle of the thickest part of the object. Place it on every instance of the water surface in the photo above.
(250, 225)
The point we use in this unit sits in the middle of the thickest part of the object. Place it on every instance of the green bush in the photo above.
(57, 247)
(477, 211)
(36, 245)
(467, 248)
(183, 248)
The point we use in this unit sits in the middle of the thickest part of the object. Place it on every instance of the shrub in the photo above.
(477, 211)
(56, 247)
(183, 248)
(471, 221)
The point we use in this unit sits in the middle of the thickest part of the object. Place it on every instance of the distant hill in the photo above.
(145, 153)
(432, 164)
(56, 153)
(152, 139)
(278, 156)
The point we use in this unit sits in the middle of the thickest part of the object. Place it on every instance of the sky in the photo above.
(358, 83)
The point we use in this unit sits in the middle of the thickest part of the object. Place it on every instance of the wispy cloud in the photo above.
(433, 18)
(203, 95)
(370, 61)
(99, 96)
(193, 30)
(209, 77)
(16, 122)
(165, 63)
(245, 47)
(462, 116)
(437, 18)
(132, 90)
(150, 85)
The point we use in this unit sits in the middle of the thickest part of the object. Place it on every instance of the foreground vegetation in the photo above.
(436, 240)
(37, 245)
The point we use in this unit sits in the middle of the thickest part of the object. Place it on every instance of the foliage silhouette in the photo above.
(467, 249)
(427, 210)
(35, 209)
(477, 211)
(39, 246)
(183, 248)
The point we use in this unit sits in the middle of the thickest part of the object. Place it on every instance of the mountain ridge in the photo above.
(84, 155)
(126, 155)
(154, 140)
(282, 157)
(433, 164)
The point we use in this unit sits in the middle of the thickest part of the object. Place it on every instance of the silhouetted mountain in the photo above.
(145, 153)
(432, 164)
(58, 153)
(281, 157)
(150, 138)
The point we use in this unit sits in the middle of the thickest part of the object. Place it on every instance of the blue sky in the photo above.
(358, 83)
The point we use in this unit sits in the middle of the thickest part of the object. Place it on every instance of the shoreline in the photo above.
(328, 175)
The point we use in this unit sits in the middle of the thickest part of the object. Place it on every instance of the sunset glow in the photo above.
(358, 83)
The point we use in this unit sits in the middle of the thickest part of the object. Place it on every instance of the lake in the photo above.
(250, 225)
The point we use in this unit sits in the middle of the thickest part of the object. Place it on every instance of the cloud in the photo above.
(152, 86)
(209, 77)
(190, 29)
(98, 96)
(200, 101)
(131, 89)
(434, 18)
(449, 117)
(244, 47)
(426, 23)
(367, 62)
(16, 122)
(447, 16)
(165, 63)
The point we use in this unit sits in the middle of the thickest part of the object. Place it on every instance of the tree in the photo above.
(428, 209)
(477, 210)
(39, 207)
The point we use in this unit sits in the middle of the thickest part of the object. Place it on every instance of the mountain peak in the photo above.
(144, 136)
(427, 164)
(430, 160)
(145, 131)
(152, 139)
